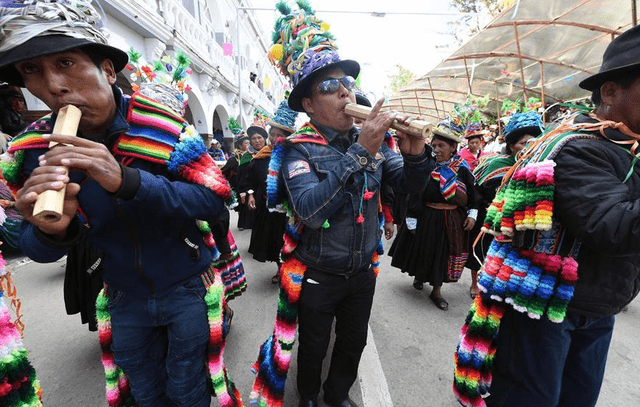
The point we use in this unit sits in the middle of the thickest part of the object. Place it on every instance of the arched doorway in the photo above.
(220, 128)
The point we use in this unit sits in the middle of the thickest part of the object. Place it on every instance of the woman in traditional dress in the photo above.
(268, 227)
(244, 157)
(521, 128)
(432, 244)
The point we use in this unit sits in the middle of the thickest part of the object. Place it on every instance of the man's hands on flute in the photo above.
(378, 123)
(76, 154)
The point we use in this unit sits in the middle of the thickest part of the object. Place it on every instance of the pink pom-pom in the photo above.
(554, 263)
(569, 271)
(360, 219)
(367, 195)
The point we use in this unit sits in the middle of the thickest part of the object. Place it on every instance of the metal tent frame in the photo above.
(536, 48)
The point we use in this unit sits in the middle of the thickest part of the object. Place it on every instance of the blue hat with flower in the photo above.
(285, 118)
(303, 48)
(521, 124)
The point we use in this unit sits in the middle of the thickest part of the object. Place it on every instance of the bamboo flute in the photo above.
(417, 128)
(50, 204)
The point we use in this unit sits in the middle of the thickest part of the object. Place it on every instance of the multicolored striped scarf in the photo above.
(446, 174)
(157, 134)
(275, 353)
(536, 277)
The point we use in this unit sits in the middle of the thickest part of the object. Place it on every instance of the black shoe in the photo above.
(226, 323)
(439, 302)
(344, 403)
(308, 402)
(418, 285)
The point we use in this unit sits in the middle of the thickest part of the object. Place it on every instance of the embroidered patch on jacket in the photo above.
(298, 167)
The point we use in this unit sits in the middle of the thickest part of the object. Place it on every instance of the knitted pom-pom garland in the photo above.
(536, 278)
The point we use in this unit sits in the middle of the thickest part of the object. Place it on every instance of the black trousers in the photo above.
(323, 297)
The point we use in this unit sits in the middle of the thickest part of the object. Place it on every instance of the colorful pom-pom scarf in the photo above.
(275, 353)
(530, 265)
(19, 386)
(157, 134)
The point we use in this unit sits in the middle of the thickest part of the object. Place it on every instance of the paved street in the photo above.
(408, 361)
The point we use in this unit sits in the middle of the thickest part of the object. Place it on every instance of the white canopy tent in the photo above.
(536, 48)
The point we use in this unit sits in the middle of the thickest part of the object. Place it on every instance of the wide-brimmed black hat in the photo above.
(362, 99)
(350, 67)
(251, 130)
(621, 56)
(53, 44)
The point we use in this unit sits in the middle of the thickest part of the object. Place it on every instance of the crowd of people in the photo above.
(544, 215)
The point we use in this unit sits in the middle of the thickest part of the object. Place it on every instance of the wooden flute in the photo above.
(417, 128)
(50, 204)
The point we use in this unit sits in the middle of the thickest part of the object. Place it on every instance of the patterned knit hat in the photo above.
(303, 48)
(521, 124)
(32, 28)
(285, 118)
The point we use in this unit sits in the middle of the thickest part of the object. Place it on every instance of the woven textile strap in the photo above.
(536, 277)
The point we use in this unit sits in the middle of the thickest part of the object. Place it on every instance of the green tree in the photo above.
(473, 12)
(478, 6)
(401, 78)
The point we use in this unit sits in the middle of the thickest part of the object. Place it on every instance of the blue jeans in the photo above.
(546, 364)
(160, 343)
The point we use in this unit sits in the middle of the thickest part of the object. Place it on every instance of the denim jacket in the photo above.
(328, 183)
(147, 231)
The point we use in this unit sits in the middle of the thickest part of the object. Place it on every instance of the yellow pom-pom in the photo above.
(325, 26)
(276, 52)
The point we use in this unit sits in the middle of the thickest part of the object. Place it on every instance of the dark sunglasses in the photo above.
(331, 85)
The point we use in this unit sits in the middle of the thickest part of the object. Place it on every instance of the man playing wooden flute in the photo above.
(129, 190)
(330, 175)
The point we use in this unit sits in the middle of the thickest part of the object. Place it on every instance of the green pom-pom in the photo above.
(326, 225)
(134, 56)
(234, 126)
(182, 59)
(158, 66)
(306, 6)
(283, 7)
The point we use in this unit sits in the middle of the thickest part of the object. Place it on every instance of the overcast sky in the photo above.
(418, 40)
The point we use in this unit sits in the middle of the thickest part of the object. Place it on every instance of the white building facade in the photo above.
(223, 86)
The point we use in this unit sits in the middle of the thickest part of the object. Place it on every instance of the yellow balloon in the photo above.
(276, 51)
(325, 26)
